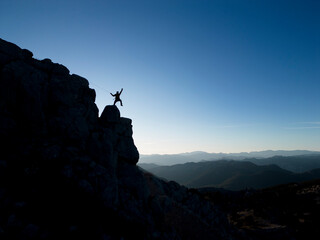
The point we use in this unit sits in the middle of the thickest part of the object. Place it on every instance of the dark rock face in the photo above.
(66, 172)
(110, 114)
(110, 118)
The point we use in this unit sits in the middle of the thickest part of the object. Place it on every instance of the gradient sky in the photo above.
(216, 76)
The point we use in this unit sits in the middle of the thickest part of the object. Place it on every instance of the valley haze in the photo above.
(239, 171)
(197, 156)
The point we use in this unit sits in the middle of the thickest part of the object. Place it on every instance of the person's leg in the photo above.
(121, 102)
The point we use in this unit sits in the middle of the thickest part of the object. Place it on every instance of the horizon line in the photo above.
(255, 151)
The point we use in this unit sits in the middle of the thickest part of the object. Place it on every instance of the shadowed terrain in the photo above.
(289, 211)
(232, 175)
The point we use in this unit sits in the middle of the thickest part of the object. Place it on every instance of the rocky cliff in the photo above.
(65, 172)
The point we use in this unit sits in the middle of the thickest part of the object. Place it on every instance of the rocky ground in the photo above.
(289, 211)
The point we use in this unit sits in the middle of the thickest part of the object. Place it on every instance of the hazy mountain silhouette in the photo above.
(298, 164)
(171, 159)
(233, 175)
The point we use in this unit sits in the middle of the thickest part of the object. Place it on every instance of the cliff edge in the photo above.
(66, 172)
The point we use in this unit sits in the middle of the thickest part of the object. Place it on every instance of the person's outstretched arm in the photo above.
(121, 90)
(112, 95)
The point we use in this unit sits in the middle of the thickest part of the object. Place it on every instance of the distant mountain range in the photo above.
(297, 164)
(171, 159)
(230, 174)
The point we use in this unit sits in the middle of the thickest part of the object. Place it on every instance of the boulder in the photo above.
(54, 68)
(110, 115)
(11, 50)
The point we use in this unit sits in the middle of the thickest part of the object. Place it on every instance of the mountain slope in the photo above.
(65, 171)
(234, 175)
(289, 211)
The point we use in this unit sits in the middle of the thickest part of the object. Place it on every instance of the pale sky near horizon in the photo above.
(215, 76)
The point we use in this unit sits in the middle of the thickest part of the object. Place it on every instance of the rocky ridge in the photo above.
(66, 172)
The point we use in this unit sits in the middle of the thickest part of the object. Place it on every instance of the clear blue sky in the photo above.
(216, 76)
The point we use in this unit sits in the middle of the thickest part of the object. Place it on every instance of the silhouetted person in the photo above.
(117, 97)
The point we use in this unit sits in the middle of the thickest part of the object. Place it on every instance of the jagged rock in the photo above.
(127, 150)
(121, 127)
(124, 127)
(10, 52)
(53, 68)
(26, 53)
(127, 172)
(110, 114)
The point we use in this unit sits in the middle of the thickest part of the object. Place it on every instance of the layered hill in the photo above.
(66, 172)
(198, 156)
(297, 164)
(232, 175)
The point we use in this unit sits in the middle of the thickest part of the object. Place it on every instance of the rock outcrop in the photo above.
(65, 171)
